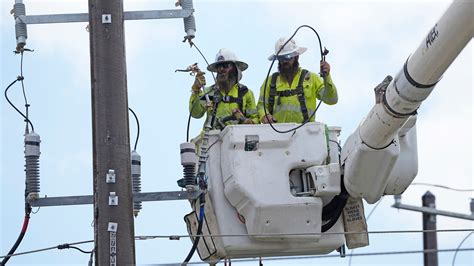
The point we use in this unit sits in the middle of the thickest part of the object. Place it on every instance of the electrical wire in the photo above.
(22, 84)
(178, 237)
(45, 249)
(64, 246)
(138, 128)
(442, 186)
(19, 78)
(459, 246)
(404, 252)
(27, 120)
(192, 107)
(37, 210)
(199, 231)
(268, 75)
(20, 237)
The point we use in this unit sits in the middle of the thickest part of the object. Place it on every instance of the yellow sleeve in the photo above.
(250, 107)
(261, 111)
(329, 95)
(196, 108)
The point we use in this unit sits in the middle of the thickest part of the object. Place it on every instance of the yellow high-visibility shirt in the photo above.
(288, 109)
(198, 107)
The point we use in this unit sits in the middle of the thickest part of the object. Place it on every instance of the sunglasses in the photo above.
(224, 65)
(285, 58)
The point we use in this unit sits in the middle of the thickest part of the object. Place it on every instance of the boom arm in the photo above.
(371, 152)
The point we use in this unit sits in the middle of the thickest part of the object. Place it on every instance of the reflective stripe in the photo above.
(287, 107)
(292, 108)
(327, 100)
(331, 100)
(251, 111)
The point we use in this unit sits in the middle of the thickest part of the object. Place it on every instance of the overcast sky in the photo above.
(367, 40)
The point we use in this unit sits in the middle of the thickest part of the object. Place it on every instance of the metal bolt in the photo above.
(106, 18)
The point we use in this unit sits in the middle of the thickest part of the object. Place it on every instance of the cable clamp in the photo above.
(20, 78)
(63, 246)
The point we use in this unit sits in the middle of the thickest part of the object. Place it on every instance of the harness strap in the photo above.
(300, 93)
(287, 93)
(242, 90)
(271, 98)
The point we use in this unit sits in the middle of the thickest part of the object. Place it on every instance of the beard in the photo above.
(288, 71)
(227, 80)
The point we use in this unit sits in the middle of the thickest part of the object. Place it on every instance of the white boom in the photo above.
(370, 153)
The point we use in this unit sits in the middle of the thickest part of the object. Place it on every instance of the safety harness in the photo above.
(242, 90)
(287, 93)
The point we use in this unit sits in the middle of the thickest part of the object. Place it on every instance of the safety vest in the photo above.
(287, 93)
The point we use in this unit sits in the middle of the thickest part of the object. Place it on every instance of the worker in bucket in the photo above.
(291, 93)
(233, 101)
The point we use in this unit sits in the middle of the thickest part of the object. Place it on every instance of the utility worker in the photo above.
(291, 93)
(235, 103)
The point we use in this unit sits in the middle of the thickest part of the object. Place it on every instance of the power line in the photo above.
(442, 186)
(338, 256)
(178, 237)
(45, 249)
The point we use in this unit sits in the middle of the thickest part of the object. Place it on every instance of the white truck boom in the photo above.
(370, 153)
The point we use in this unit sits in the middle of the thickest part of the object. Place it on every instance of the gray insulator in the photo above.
(20, 27)
(136, 180)
(32, 154)
(189, 175)
(188, 161)
(189, 22)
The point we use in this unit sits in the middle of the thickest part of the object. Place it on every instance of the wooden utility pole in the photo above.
(113, 200)
(429, 238)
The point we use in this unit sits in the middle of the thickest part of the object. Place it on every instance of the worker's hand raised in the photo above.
(199, 82)
(325, 67)
(268, 119)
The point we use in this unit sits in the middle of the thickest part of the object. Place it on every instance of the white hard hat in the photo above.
(290, 49)
(225, 55)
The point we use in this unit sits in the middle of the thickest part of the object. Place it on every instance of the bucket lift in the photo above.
(273, 194)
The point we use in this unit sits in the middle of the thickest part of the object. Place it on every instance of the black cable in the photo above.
(334, 208)
(459, 246)
(192, 107)
(91, 258)
(20, 237)
(138, 128)
(199, 230)
(64, 246)
(268, 75)
(19, 78)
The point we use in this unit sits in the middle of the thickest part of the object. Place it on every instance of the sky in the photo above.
(367, 40)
